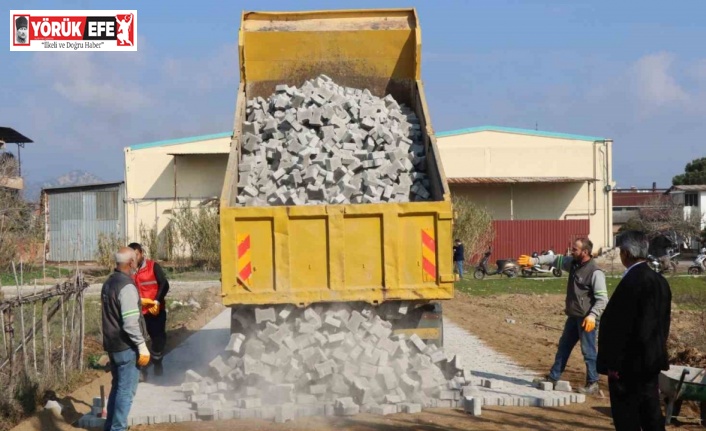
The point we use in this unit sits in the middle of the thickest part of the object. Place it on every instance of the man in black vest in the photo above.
(586, 298)
(459, 258)
(123, 338)
(632, 346)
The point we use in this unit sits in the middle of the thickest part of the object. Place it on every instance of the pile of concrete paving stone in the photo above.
(324, 361)
(324, 143)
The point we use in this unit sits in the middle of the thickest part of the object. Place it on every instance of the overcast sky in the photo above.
(633, 72)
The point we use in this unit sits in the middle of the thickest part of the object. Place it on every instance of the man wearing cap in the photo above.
(153, 287)
(21, 26)
(123, 338)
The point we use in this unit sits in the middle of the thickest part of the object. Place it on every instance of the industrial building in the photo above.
(543, 189)
(165, 175)
(78, 216)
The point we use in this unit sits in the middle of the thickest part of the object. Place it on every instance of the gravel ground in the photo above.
(509, 381)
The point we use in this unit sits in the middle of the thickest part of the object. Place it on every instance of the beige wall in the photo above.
(151, 188)
(542, 201)
(502, 154)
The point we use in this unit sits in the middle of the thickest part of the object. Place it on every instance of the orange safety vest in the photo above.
(147, 283)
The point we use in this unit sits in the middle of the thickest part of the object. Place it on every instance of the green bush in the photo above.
(199, 230)
(107, 246)
(148, 240)
(473, 225)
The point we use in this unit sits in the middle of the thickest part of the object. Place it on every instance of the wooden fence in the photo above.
(57, 314)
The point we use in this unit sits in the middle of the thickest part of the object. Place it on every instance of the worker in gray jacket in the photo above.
(123, 338)
(586, 298)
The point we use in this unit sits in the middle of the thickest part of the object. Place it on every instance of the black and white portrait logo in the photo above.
(22, 30)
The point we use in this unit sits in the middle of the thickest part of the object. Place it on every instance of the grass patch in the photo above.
(191, 274)
(687, 292)
(98, 275)
(31, 273)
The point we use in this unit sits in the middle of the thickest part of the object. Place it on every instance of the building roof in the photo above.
(515, 180)
(178, 141)
(205, 152)
(12, 136)
(58, 189)
(688, 188)
(635, 199)
(438, 135)
(519, 132)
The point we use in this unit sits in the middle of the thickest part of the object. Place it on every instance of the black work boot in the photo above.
(158, 368)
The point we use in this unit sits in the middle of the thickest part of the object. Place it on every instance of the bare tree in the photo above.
(18, 225)
(665, 216)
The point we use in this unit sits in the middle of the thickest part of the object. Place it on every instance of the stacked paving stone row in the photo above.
(327, 144)
(335, 360)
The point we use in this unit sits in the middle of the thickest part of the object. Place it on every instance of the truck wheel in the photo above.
(439, 342)
(479, 274)
(421, 320)
(235, 326)
(556, 272)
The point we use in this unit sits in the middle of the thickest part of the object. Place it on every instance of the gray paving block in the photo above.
(192, 376)
(285, 412)
(226, 414)
(250, 403)
(545, 386)
(472, 406)
(563, 386)
(265, 315)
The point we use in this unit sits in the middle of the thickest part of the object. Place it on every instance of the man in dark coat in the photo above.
(632, 344)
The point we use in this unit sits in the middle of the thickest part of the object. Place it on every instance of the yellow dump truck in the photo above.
(386, 254)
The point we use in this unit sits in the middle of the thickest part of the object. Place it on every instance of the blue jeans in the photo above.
(459, 267)
(123, 368)
(573, 333)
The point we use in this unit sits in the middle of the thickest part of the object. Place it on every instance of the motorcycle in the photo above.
(507, 267)
(528, 271)
(656, 265)
(697, 267)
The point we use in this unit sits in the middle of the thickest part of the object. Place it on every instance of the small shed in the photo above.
(79, 215)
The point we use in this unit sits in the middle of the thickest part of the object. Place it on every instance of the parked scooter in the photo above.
(507, 267)
(528, 271)
(697, 268)
(657, 266)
